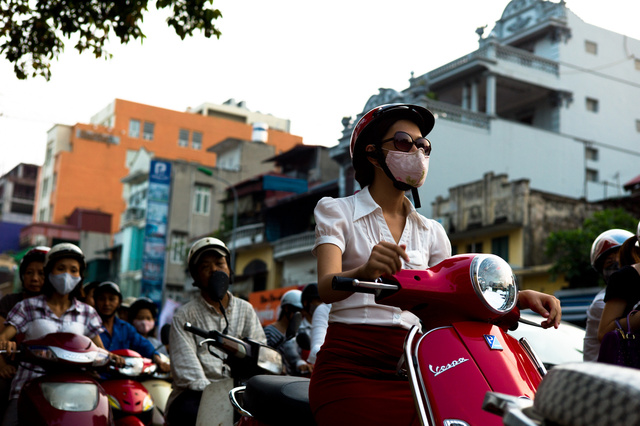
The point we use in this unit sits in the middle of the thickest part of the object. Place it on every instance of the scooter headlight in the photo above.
(71, 396)
(494, 282)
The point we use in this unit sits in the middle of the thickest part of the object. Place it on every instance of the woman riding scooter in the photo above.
(58, 309)
(374, 232)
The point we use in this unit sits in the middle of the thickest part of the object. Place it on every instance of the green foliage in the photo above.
(32, 33)
(570, 249)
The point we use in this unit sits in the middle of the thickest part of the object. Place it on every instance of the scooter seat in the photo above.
(278, 400)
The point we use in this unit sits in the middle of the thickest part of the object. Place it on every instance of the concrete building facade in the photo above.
(545, 97)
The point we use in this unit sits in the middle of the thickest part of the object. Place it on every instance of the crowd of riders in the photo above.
(374, 232)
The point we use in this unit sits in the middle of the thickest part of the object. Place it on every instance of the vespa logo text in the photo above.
(442, 369)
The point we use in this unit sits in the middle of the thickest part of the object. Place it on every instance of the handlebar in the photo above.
(229, 344)
(355, 285)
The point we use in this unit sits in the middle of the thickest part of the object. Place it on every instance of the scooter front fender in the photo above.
(452, 368)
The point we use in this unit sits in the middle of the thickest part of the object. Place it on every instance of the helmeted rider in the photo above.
(604, 260)
(119, 334)
(193, 367)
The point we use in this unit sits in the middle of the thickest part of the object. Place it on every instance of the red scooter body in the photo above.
(130, 401)
(464, 351)
(67, 394)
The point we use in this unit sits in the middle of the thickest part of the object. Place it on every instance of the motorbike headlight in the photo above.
(494, 282)
(147, 404)
(71, 396)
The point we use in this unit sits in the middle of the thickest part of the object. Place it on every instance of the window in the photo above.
(591, 47)
(474, 248)
(178, 248)
(183, 137)
(637, 62)
(196, 141)
(202, 200)
(134, 128)
(592, 175)
(147, 133)
(638, 126)
(500, 247)
(592, 105)
(591, 154)
(45, 187)
(48, 155)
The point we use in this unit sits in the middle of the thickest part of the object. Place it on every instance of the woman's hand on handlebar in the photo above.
(117, 360)
(385, 258)
(165, 367)
(544, 304)
(8, 346)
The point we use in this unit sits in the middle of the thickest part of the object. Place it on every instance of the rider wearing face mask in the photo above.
(374, 232)
(119, 334)
(57, 309)
(193, 367)
(142, 315)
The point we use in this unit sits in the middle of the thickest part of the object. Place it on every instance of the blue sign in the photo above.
(155, 236)
(287, 184)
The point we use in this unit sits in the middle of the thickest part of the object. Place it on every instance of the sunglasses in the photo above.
(404, 142)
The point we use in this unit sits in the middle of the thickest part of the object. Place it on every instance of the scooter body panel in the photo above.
(132, 399)
(35, 409)
(458, 360)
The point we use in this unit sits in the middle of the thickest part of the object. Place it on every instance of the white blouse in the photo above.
(356, 224)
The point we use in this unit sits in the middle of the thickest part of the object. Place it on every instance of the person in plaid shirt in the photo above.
(58, 309)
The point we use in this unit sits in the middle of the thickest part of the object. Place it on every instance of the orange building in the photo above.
(84, 163)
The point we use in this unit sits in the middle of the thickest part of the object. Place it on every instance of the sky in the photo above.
(310, 62)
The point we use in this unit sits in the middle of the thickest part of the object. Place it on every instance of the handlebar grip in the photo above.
(200, 332)
(343, 283)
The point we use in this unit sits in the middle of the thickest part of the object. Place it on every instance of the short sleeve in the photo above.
(440, 248)
(94, 322)
(331, 224)
(18, 317)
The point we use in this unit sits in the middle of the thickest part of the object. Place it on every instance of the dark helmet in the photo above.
(107, 287)
(63, 251)
(142, 303)
(371, 127)
(605, 243)
(310, 293)
(36, 254)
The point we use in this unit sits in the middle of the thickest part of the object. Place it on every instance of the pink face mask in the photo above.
(408, 167)
(144, 326)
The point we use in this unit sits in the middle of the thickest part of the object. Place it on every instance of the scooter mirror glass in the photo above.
(494, 282)
(270, 360)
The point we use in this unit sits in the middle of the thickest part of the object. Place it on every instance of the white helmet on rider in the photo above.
(605, 243)
(63, 251)
(292, 298)
(204, 245)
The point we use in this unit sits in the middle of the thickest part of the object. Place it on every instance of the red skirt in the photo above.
(354, 380)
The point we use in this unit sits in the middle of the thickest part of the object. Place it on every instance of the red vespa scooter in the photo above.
(68, 393)
(466, 304)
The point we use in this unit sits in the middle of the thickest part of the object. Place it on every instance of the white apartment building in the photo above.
(545, 97)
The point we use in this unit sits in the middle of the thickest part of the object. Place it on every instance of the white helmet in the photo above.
(62, 251)
(292, 298)
(202, 246)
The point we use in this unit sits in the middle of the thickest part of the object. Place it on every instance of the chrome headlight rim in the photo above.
(476, 276)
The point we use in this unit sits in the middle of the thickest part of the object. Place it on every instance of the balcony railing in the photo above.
(246, 236)
(294, 244)
(457, 114)
(494, 51)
